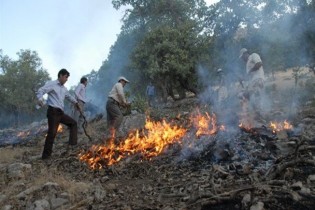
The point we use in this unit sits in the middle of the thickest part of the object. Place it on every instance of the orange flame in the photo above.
(244, 126)
(151, 143)
(205, 124)
(60, 128)
(279, 126)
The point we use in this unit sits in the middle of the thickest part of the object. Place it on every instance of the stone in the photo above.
(58, 202)
(7, 207)
(18, 170)
(41, 205)
(49, 186)
(27, 192)
(258, 206)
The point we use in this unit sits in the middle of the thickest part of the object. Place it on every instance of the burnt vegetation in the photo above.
(178, 46)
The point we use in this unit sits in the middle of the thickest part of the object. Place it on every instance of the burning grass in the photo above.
(150, 142)
(157, 136)
(279, 126)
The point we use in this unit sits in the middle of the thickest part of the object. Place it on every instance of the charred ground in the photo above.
(234, 170)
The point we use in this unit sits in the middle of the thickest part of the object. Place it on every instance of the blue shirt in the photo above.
(56, 94)
(150, 90)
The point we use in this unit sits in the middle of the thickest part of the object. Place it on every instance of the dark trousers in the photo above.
(56, 116)
(114, 114)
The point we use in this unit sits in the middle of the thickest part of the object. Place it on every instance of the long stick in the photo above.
(84, 125)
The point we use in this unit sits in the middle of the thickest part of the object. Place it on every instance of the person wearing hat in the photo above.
(116, 99)
(256, 75)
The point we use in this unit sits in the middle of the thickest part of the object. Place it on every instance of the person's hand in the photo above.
(78, 107)
(40, 102)
(126, 105)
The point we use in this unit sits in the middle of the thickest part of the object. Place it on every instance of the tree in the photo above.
(169, 43)
(19, 81)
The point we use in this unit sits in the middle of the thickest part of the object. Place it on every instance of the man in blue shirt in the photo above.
(150, 92)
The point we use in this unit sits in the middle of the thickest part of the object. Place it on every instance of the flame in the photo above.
(279, 126)
(60, 128)
(205, 124)
(245, 126)
(149, 143)
(23, 134)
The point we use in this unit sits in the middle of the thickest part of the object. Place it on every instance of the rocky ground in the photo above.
(230, 169)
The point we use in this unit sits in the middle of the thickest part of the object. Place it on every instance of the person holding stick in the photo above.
(80, 97)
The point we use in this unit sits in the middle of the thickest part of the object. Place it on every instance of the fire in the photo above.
(205, 124)
(23, 134)
(244, 126)
(60, 128)
(279, 126)
(149, 143)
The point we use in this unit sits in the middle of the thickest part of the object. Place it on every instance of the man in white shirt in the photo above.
(116, 99)
(57, 92)
(80, 97)
(255, 72)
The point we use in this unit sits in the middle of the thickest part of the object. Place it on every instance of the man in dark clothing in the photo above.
(57, 92)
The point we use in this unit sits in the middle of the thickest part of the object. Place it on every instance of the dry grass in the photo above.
(10, 154)
(40, 176)
(73, 188)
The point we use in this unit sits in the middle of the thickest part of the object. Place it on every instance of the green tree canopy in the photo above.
(19, 81)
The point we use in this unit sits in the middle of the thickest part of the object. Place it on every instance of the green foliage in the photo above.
(165, 41)
(20, 80)
(139, 104)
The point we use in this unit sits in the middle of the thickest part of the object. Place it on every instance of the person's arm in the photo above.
(147, 91)
(71, 99)
(256, 67)
(77, 92)
(43, 90)
(49, 86)
(121, 95)
(255, 58)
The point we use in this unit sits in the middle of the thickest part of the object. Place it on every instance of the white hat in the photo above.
(123, 78)
(219, 70)
(242, 51)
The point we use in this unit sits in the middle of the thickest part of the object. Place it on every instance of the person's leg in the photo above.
(109, 117)
(72, 124)
(257, 100)
(53, 117)
(114, 115)
(118, 117)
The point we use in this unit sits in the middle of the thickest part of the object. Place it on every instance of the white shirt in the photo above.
(80, 92)
(251, 62)
(56, 94)
(117, 93)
